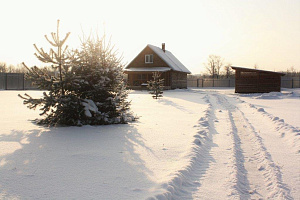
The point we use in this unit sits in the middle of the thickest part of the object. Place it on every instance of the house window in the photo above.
(142, 76)
(149, 58)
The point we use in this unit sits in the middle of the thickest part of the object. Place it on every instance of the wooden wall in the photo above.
(172, 79)
(137, 78)
(178, 80)
(139, 61)
(256, 82)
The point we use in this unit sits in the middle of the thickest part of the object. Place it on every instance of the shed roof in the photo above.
(255, 70)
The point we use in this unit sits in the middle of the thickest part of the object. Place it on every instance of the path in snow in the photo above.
(263, 175)
(222, 157)
(229, 156)
(281, 140)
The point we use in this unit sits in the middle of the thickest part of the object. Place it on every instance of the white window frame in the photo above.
(149, 58)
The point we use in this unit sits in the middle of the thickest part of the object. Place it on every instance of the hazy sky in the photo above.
(244, 32)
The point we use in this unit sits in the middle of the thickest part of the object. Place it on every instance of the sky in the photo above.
(244, 33)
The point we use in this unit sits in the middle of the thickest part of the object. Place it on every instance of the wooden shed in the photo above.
(256, 81)
(154, 59)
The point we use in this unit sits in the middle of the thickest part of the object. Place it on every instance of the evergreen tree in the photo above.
(156, 85)
(100, 85)
(90, 87)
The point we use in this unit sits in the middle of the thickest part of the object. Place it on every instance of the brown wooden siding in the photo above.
(178, 80)
(172, 79)
(137, 78)
(256, 82)
(139, 61)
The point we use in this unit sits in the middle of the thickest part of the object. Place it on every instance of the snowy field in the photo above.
(190, 144)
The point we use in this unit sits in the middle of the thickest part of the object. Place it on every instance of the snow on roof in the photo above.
(148, 69)
(170, 59)
(255, 70)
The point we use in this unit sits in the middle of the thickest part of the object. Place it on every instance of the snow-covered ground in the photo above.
(190, 144)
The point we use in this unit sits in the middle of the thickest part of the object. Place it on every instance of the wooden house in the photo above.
(154, 59)
(256, 81)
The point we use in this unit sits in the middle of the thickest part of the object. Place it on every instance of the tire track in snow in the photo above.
(251, 170)
(263, 174)
(186, 181)
(239, 178)
(224, 174)
(211, 163)
(280, 138)
(282, 128)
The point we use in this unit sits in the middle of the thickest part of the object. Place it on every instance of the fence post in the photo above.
(5, 81)
(292, 83)
(202, 82)
(23, 81)
(197, 82)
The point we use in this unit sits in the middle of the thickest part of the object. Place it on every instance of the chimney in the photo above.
(163, 47)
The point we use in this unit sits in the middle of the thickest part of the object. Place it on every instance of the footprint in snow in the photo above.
(137, 190)
(260, 110)
(260, 168)
(197, 141)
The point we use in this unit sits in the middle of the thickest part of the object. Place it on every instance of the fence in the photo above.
(286, 82)
(14, 81)
(290, 82)
(211, 82)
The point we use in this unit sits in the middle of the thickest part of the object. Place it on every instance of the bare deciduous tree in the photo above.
(3, 67)
(291, 71)
(228, 70)
(214, 65)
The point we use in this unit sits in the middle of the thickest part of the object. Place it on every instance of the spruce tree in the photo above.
(88, 90)
(156, 85)
(100, 86)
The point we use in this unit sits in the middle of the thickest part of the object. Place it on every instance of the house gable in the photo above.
(170, 59)
(139, 60)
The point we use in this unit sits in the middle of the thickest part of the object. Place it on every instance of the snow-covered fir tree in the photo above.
(89, 88)
(100, 86)
(156, 85)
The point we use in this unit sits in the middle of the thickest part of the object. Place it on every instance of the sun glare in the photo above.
(243, 33)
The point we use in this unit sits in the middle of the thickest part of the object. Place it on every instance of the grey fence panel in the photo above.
(192, 83)
(211, 82)
(290, 82)
(232, 83)
(15, 81)
(208, 83)
(2, 81)
(296, 83)
(293, 82)
(286, 83)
